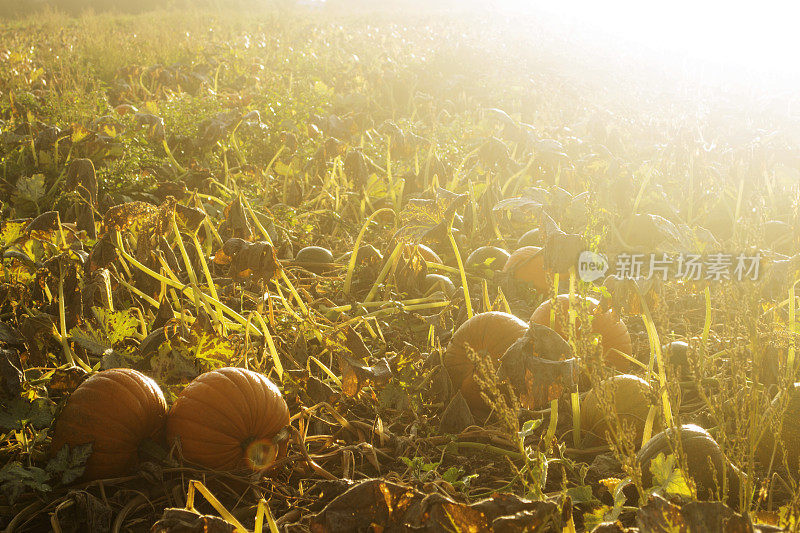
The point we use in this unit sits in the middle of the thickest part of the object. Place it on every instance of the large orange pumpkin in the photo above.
(114, 410)
(492, 333)
(614, 336)
(526, 264)
(228, 419)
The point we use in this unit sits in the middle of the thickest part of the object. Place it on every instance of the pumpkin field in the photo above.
(308, 270)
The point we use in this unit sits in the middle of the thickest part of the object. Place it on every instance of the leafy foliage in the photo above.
(159, 179)
(668, 478)
(68, 464)
(16, 479)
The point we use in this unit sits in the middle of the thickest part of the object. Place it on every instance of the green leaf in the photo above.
(90, 339)
(667, 477)
(30, 188)
(581, 494)
(16, 479)
(282, 168)
(452, 474)
(18, 412)
(117, 325)
(114, 328)
(427, 467)
(114, 359)
(408, 461)
(68, 464)
(218, 351)
(11, 231)
(529, 427)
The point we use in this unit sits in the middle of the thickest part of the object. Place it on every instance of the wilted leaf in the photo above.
(43, 226)
(184, 521)
(538, 368)
(356, 375)
(561, 251)
(423, 219)
(355, 343)
(153, 125)
(519, 203)
(37, 331)
(381, 505)
(10, 373)
(457, 415)
(656, 233)
(236, 223)
(411, 270)
(89, 513)
(65, 380)
(81, 177)
(659, 515)
(188, 218)
(493, 151)
(255, 260)
(131, 215)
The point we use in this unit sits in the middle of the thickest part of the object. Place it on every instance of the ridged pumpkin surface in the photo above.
(526, 264)
(705, 462)
(612, 330)
(629, 397)
(115, 410)
(492, 332)
(227, 418)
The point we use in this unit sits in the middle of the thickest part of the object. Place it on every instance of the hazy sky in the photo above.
(763, 36)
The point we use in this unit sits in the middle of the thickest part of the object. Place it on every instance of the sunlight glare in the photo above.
(758, 36)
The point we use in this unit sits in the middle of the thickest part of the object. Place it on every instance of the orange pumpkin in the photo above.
(492, 333)
(114, 410)
(628, 396)
(526, 264)
(229, 419)
(614, 336)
